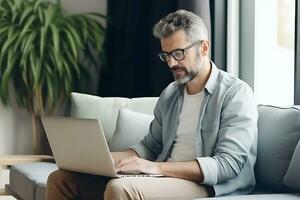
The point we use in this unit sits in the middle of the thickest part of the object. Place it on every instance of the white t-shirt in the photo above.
(184, 148)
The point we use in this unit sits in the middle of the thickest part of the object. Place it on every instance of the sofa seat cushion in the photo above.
(287, 196)
(28, 180)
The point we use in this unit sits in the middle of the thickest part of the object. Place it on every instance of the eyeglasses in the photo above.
(177, 54)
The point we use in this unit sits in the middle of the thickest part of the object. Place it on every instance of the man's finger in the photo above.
(128, 167)
(122, 162)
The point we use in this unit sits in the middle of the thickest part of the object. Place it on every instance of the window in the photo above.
(274, 52)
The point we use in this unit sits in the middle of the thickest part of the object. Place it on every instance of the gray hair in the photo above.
(190, 23)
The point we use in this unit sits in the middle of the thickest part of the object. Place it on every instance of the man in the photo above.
(203, 137)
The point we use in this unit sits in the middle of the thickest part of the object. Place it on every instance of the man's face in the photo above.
(187, 69)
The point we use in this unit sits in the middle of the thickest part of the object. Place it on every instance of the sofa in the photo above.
(125, 122)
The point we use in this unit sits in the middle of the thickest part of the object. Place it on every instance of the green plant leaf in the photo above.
(67, 68)
(96, 20)
(42, 41)
(59, 64)
(10, 39)
(72, 43)
(6, 77)
(2, 9)
(96, 33)
(3, 29)
(73, 62)
(28, 22)
(75, 34)
(28, 45)
(98, 15)
(49, 69)
(24, 55)
(18, 43)
(41, 14)
(55, 60)
(37, 4)
(10, 6)
(55, 34)
(83, 26)
(25, 78)
(49, 14)
(34, 67)
(25, 14)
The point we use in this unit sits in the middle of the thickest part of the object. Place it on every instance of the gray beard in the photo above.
(190, 75)
(186, 78)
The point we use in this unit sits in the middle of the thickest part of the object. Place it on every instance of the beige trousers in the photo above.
(63, 185)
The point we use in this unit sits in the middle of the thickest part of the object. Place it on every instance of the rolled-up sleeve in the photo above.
(237, 133)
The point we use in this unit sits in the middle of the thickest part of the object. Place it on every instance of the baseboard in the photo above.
(3, 192)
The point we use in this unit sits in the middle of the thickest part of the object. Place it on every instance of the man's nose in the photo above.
(172, 62)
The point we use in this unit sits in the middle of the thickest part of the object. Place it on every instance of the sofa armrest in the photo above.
(14, 159)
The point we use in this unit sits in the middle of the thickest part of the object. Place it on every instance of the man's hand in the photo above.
(138, 165)
(188, 170)
(128, 161)
(117, 156)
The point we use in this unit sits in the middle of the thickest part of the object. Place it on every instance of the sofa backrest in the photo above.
(106, 108)
(278, 135)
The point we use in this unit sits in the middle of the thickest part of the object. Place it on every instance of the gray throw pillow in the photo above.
(278, 135)
(130, 129)
(292, 177)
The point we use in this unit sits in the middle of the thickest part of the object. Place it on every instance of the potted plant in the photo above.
(45, 54)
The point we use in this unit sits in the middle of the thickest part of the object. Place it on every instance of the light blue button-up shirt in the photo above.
(226, 143)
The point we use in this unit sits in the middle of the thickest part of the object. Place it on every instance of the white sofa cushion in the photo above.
(130, 129)
(106, 108)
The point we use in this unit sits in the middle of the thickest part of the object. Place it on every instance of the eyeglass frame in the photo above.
(182, 50)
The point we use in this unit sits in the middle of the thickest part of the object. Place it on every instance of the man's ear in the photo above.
(204, 48)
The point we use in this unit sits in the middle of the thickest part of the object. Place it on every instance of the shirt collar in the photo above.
(211, 83)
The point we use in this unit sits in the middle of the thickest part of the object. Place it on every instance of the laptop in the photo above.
(80, 145)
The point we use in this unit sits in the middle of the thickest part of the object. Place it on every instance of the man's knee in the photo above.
(58, 177)
(118, 189)
(54, 177)
(61, 185)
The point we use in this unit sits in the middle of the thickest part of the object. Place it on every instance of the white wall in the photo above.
(15, 125)
(78, 6)
(15, 129)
